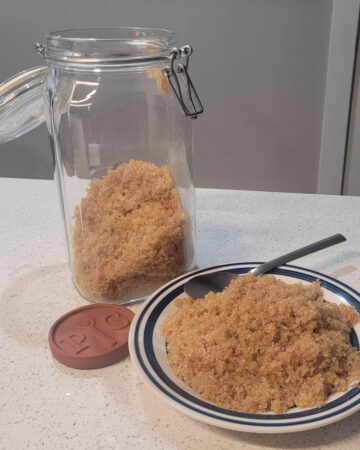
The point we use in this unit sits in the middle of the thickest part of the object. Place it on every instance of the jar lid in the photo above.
(91, 336)
(22, 106)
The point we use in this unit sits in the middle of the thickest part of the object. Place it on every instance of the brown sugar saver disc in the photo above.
(92, 336)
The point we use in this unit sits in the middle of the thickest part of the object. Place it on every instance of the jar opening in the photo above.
(108, 45)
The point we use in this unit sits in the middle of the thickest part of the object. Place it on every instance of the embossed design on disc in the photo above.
(92, 336)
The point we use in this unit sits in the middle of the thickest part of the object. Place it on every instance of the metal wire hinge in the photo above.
(40, 48)
(180, 82)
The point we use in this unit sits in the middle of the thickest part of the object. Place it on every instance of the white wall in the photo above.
(259, 66)
(338, 94)
(352, 178)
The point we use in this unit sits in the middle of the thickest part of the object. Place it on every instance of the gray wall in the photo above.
(259, 65)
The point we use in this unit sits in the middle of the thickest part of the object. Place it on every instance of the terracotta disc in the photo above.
(92, 336)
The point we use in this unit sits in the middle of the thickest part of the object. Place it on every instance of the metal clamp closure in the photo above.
(180, 81)
(39, 48)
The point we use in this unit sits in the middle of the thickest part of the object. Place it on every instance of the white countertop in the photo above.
(44, 404)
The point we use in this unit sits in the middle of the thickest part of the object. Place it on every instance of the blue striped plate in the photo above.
(148, 353)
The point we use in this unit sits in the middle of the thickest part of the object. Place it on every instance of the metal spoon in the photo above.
(200, 285)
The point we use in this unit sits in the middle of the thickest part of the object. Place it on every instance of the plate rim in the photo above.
(160, 294)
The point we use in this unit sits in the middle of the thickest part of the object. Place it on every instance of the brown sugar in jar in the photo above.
(131, 233)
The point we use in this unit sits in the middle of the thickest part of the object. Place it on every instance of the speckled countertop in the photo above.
(44, 404)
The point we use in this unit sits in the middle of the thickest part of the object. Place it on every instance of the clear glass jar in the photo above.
(114, 103)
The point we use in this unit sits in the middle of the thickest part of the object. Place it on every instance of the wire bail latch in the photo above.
(180, 82)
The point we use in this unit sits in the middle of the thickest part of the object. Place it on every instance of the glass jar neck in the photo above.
(107, 47)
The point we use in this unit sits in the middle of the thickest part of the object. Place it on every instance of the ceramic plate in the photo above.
(148, 353)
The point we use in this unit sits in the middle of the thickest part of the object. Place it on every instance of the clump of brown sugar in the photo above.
(161, 81)
(263, 345)
(131, 233)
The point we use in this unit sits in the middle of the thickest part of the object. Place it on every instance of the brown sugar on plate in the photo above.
(263, 345)
(131, 233)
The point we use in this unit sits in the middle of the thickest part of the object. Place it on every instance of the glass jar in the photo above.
(117, 104)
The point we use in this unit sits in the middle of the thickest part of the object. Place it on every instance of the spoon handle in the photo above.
(311, 248)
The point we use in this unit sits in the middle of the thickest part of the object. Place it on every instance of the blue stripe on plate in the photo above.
(148, 339)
